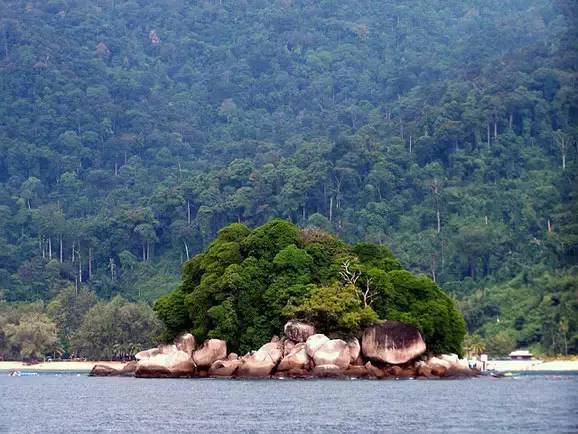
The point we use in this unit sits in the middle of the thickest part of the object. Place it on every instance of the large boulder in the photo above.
(331, 371)
(292, 373)
(423, 370)
(224, 368)
(174, 364)
(262, 362)
(211, 351)
(439, 367)
(392, 342)
(354, 349)
(103, 371)
(298, 331)
(356, 371)
(147, 353)
(374, 371)
(186, 343)
(128, 369)
(297, 358)
(288, 346)
(401, 372)
(334, 352)
(450, 366)
(314, 342)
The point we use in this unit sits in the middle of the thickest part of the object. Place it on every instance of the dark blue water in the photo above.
(49, 403)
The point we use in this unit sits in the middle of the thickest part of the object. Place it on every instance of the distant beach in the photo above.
(533, 365)
(497, 365)
(61, 366)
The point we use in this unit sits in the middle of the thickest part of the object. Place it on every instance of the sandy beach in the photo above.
(64, 366)
(533, 365)
(497, 365)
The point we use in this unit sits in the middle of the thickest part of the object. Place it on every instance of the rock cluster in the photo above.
(389, 349)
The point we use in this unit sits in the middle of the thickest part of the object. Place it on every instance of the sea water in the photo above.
(78, 403)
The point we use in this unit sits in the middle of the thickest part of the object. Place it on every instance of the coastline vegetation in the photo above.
(132, 131)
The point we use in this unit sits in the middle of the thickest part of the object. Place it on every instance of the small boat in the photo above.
(17, 373)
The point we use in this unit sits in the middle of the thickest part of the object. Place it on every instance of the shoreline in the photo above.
(536, 366)
(533, 366)
(62, 366)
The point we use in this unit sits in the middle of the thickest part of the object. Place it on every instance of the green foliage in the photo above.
(170, 308)
(417, 300)
(67, 310)
(376, 256)
(116, 329)
(32, 337)
(334, 309)
(293, 259)
(121, 155)
(245, 295)
(267, 240)
(76, 324)
(537, 311)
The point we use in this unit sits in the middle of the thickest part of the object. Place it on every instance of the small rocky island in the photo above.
(377, 319)
(388, 349)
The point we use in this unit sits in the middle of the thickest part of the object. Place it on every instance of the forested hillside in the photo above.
(131, 131)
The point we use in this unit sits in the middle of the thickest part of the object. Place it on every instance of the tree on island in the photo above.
(247, 283)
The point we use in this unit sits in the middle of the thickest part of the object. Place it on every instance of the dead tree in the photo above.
(351, 277)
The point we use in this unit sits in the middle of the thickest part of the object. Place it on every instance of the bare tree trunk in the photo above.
(511, 120)
(73, 252)
(488, 134)
(79, 267)
(410, 143)
(61, 250)
(148, 251)
(331, 208)
(435, 187)
(562, 140)
(486, 219)
(189, 212)
(443, 254)
(89, 263)
(495, 129)
(112, 267)
(186, 249)
(50, 248)
(549, 226)
(143, 252)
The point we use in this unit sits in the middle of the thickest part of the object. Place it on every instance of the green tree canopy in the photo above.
(248, 282)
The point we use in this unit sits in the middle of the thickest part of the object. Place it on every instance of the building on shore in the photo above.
(521, 355)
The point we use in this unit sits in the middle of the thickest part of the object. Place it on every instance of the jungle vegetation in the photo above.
(248, 283)
(132, 131)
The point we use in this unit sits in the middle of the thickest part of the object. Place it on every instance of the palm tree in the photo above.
(474, 345)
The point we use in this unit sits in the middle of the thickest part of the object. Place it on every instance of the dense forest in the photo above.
(131, 131)
(247, 284)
